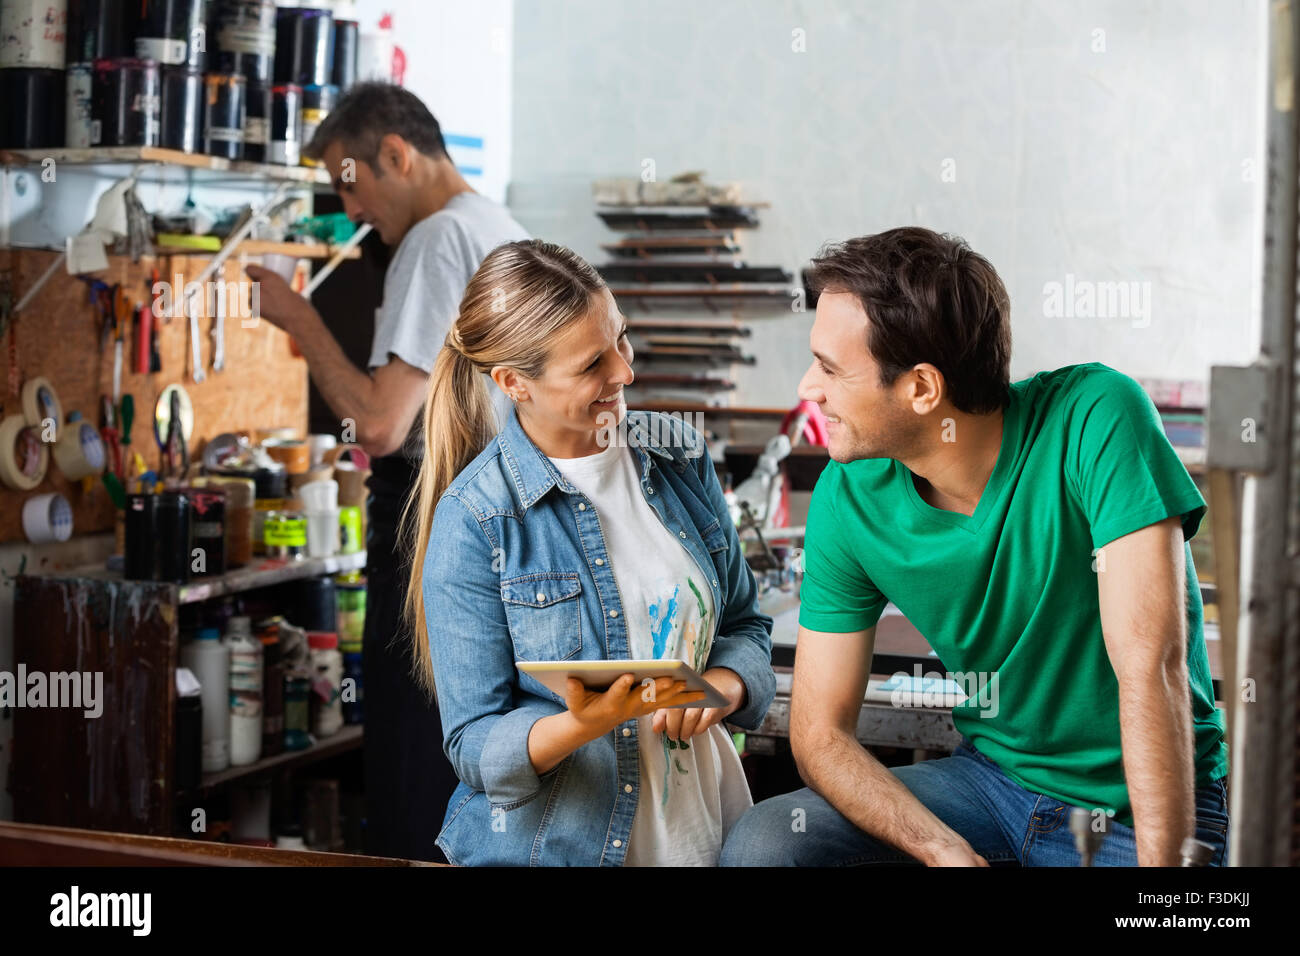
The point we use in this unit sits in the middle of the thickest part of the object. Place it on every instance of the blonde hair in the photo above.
(523, 294)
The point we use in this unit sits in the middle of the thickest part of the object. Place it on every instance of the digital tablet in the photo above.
(599, 675)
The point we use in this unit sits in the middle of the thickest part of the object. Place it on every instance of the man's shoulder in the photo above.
(1078, 384)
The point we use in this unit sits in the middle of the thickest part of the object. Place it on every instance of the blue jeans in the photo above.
(1002, 822)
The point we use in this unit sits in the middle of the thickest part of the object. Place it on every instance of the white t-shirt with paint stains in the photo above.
(693, 793)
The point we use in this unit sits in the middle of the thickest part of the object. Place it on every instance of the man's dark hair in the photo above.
(928, 298)
(370, 111)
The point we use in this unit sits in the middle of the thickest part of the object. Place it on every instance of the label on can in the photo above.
(208, 529)
(256, 129)
(226, 134)
(162, 49)
(284, 531)
(311, 120)
(78, 123)
(285, 152)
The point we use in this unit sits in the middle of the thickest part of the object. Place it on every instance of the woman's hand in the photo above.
(598, 712)
(684, 723)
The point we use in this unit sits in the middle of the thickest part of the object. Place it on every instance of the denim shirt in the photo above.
(517, 570)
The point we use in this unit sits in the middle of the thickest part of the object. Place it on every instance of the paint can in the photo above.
(317, 102)
(35, 101)
(182, 109)
(223, 121)
(347, 41)
(33, 34)
(126, 102)
(173, 32)
(286, 125)
(257, 122)
(79, 122)
(95, 31)
(141, 550)
(208, 516)
(175, 537)
(304, 46)
(246, 38)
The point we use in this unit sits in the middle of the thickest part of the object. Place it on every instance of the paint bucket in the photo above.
(347, 40)
(173, 33)
(304, 46)
(223, 121)
(126, 102)
(246, 38)
(182, 109)
(79, 120)
(33, 34)
(286, 125)
(257, 122)
(95, 31)
(317, 102)
(35, 101)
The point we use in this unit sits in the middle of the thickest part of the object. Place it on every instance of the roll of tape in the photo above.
(80, 451)
(41, 403)
(24, 458)
(295, 455)
(47, 518)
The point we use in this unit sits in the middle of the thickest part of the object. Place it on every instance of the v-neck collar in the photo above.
(992, 488)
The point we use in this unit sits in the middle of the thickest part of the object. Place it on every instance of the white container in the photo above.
(326, 682)
(319, 495)
(209, 660)
(33, 33)
(245, 692)
(282, 265)
(322, 533)
(319, 445)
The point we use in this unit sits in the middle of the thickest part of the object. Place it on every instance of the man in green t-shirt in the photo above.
(1036, 533)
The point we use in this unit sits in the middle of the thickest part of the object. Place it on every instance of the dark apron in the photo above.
(408, 779)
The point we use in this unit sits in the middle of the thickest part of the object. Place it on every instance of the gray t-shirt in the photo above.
(426, 279)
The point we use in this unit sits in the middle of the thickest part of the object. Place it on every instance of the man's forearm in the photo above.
(860, 787)
(1157, 743)
(346, 389)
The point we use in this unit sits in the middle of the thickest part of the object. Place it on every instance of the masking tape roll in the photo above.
(24, 458)
(47, 518)
(41, 402)
(80, 451)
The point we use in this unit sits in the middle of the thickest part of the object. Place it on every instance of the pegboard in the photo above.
(57, 337)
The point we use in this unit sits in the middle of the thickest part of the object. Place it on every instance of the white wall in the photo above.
(458, 60)
(1133, 162)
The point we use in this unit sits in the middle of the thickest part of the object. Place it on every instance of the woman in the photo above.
(572, 535)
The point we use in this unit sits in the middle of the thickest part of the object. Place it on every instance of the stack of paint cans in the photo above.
(304, 56)
(246, 45)
(94, 33)
(32, 79)
(173, 34)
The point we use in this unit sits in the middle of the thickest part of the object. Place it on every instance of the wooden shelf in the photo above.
(261, 247)
(348, 738)
(263, 572)
(130, 155)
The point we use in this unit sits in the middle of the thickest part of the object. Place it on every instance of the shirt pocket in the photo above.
(544, 614)
(715, 539)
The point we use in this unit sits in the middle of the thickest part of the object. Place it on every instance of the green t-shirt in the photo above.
(1010, 593)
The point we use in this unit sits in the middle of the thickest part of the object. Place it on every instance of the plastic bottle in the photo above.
(209, 660)
(326, 682)
(245, 692)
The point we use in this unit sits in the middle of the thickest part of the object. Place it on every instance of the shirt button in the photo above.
(626, 732)
(651, 489)
(601, 561)
(617, 844)
(582, 506)
(613, 613)
(627, 788)
(715, 583)
(681, 534)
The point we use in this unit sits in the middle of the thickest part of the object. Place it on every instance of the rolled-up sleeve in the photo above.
(485, 729)
(744, 641)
